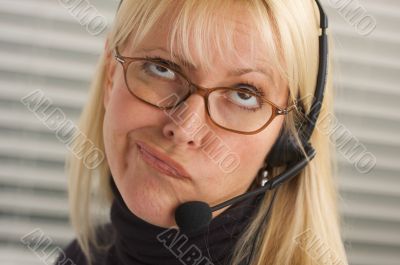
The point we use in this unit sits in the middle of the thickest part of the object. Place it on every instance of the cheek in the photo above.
(124, 114)
(122, 111)
(252, 154)
(251, 151)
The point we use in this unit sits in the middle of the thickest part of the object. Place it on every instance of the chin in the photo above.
(150, 206)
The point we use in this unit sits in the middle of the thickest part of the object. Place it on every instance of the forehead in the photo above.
(222, 39)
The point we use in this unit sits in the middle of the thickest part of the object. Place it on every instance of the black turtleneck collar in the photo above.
(138, 242)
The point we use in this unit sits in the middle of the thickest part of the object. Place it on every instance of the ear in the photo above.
(110, 65)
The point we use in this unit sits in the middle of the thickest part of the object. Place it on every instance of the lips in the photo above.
(162, 162)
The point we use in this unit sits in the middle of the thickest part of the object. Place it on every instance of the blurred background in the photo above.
(46, 46)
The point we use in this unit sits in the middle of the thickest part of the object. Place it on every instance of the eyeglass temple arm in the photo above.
(287, 110)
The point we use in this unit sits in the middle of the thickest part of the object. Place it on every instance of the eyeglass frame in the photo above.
(202, 91)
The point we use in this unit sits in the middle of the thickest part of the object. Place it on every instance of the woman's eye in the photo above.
(244, 99)
(159, 71)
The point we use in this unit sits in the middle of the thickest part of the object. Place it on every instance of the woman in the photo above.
(166, 145)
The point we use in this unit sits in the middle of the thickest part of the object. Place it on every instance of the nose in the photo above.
(185, 122)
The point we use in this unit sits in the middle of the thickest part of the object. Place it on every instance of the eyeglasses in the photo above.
(158, 83)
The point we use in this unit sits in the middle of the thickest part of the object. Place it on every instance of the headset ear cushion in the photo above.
(285, 151)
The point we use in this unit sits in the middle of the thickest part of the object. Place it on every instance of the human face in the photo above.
(151, 193)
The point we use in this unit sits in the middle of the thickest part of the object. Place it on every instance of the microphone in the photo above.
(195, 215)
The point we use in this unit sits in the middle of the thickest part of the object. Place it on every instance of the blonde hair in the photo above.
(305, 211)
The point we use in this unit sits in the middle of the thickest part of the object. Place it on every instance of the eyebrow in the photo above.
(234, 72)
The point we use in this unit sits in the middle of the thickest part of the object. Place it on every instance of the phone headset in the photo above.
(193, 215)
